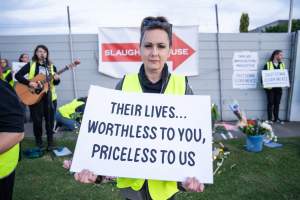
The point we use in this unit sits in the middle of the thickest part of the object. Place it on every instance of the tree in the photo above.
(244, 22)
(282, 28)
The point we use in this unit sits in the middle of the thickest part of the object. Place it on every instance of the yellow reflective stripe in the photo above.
(9, 161)
(131, 83)
(176, 85)
(53, 89)
(270, 65)
(5, 74)
(32, 70)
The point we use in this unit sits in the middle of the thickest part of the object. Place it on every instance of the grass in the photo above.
(271, 174)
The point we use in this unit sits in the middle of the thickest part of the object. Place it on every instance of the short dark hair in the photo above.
(276, 52)
(35, 58)
(160, 22)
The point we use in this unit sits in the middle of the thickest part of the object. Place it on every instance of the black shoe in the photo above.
(269, 121)
(50, 146)
(39, 143)
(279, 121)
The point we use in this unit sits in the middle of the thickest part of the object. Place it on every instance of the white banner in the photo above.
(119, 51)
(16, 66)
(244, 79)
(150, 136)
(275, 78)
(245, 60)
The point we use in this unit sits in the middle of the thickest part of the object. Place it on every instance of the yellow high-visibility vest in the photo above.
(4, 76)
(31, 76)
(9, 161)
(270, 66)
(70, 108)
(159, 190)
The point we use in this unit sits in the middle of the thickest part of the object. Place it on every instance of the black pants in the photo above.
(273, 98)
(43, 109)
(7, 187)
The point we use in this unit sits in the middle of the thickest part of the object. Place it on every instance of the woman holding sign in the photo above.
(274, 94)
(153, 77)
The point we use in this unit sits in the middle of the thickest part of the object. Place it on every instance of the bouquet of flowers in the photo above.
(252, 127)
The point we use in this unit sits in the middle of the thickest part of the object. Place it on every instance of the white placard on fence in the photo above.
(151, 136)
(245, 60)
(244, 79)
(275, 78)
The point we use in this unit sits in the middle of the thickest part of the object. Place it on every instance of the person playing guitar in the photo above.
(45, 106)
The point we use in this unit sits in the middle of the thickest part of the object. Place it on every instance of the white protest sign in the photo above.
(275, 78)
(244, 79)
(245, 60)
(150, 136)
(16, 66)
(119, 51)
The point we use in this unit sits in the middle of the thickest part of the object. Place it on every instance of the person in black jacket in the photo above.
(46, 108)
(274, 94)
(11, 133)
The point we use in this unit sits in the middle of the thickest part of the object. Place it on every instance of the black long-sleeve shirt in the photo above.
(11, 111)
(25, 70)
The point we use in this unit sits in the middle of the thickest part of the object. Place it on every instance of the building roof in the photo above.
(274, 23)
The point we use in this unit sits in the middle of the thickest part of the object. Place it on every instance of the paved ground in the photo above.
(287, 129)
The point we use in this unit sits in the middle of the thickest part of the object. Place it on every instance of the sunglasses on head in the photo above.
(156, 22)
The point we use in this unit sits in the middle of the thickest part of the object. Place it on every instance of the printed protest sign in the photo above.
(245, 60)
(275, 78)
(244, 79)
(150, 136)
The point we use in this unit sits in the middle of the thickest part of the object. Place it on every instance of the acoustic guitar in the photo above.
(29, 95)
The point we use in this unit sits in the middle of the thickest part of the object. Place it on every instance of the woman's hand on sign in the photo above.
(85, 176)
(192, 184)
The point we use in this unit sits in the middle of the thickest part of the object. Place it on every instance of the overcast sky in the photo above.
(50, 16)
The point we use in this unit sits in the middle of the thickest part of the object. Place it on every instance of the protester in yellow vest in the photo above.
(41, 64)
(70, 114)
(274, 94)
(153, 77)
(11, 133)
(6, 72)
(24, 57)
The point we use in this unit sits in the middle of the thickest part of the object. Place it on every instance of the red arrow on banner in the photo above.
(180, 51)
(129, 52)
